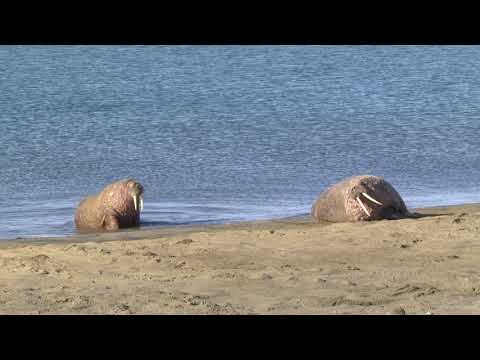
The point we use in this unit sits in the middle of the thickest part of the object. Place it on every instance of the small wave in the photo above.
(441, 199)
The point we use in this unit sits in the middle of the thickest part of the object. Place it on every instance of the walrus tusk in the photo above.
(371, 198)
(363, 206)
(135, 202)
(141, 203)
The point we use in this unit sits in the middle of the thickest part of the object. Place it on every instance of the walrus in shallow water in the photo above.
(359, 198)
(117, 206)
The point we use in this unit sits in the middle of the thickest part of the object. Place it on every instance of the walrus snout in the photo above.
(366, 200)
(136, 190)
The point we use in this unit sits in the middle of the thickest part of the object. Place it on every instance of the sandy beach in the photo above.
(428, 265)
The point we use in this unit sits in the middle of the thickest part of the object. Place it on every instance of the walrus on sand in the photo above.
(357, 198)
(117, 206)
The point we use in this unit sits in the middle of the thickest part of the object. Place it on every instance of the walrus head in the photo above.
(375, 198)
(135, 190)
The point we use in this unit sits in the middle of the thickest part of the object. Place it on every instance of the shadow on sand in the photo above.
(416, 215)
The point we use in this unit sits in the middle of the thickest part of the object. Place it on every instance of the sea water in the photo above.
(227, 133)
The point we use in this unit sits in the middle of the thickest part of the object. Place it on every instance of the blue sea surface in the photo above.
(229, 133)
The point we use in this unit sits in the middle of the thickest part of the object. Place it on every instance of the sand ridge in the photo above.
(292, 266)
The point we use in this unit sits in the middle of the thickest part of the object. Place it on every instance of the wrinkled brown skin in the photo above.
(111, 209)
(338, 203)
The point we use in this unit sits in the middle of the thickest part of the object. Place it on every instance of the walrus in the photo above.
(358, 198)
(117, 206)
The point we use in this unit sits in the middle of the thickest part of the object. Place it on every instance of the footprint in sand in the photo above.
(184, 242)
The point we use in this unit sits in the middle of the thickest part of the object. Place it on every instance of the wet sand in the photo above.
(293, 266)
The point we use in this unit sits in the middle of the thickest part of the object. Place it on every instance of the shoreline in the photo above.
(418, 265)
(151, 232)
